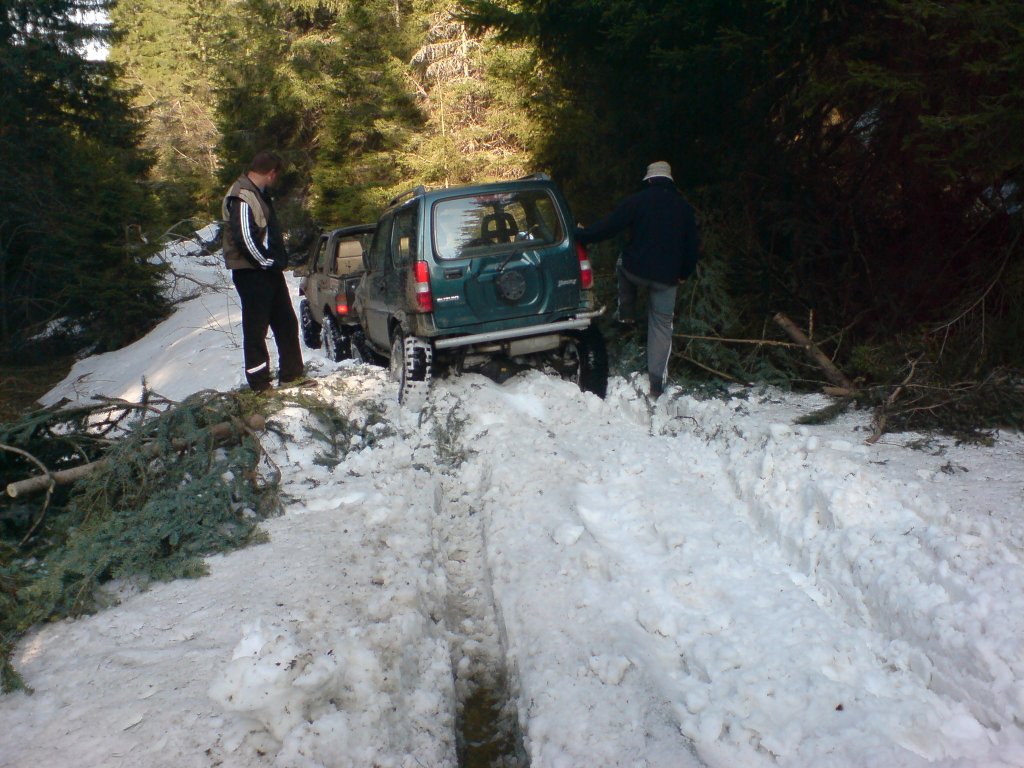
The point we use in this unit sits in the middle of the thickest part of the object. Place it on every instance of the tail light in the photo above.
(341, 304)
(421, 283)
(586, 271)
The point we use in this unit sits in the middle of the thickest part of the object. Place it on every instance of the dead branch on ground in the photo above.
(819, 358)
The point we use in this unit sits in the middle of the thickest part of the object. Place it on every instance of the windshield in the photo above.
(465, 227)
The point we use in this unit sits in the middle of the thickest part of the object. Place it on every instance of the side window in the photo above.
(542, 219)
(379, 246)
(348, 257)
(318, 258)
(403, 238)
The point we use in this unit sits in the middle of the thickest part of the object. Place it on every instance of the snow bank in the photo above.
(680, 584)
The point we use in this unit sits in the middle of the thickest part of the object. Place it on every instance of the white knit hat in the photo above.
(660, 168)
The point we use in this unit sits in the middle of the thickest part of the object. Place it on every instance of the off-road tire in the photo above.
(311, 329)
(589, 354)
(411, 366)
(337, 346)
(362, 352)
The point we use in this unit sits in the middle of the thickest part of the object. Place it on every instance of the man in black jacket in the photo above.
(661, 251)
(255, 253)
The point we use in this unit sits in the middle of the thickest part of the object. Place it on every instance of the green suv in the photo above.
(467, 276)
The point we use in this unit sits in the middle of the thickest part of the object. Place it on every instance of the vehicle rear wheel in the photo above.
(588, 356)
(412, 362)
(310, 328)
(337, 346)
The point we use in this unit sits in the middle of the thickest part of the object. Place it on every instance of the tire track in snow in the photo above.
(558, 680)
(651, 615)
(487, 727)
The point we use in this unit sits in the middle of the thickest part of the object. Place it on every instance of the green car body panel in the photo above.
(477, 270)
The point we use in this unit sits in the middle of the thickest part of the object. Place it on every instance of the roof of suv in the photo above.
(353, 229)
(422, 192)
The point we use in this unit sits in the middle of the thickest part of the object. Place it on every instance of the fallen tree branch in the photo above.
(833, 374)
(48, 483)
(35, 484)
(839, 391)
(709, 369)
(881, 417)
(758, 342)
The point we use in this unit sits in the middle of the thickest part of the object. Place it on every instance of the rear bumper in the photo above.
(576, 323)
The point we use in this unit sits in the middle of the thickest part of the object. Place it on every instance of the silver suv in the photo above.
(330, 274)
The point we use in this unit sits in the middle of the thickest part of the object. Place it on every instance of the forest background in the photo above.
(856, 166)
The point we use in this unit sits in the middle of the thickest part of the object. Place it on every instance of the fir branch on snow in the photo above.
(153, 505)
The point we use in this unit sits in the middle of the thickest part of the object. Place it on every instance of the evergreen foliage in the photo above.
(164, 497)
(70, 187)
(363, 99)
(861, 163)
(371, 116)
(476, 95)
(162, 50)
(362, 426)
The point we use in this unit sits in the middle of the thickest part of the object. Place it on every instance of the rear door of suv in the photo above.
(501, 256)
(371, 295)
(313, 281)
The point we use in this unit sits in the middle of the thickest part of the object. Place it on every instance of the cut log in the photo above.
(65, 476)
(819, 358)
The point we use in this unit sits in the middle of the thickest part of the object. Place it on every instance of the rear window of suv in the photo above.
(475, 225)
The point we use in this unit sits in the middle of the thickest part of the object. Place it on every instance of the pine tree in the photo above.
(162, 52)
(475, 93)
(370, 116)
(70, 187)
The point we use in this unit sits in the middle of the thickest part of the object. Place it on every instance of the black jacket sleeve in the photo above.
(615, 222)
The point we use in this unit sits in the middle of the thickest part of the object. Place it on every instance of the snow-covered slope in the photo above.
(689, 583)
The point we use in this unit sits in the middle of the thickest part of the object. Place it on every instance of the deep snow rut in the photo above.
(487, 724)
(664, 606)
(485, 488)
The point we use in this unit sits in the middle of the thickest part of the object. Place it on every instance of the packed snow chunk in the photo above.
(957, 735)
(272, 680)
(568, 534)
(963, 727)
(332, 740)
(610, 669)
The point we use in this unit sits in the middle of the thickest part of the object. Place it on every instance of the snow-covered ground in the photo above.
(689, 583)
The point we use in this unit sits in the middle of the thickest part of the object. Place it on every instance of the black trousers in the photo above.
(266, 304)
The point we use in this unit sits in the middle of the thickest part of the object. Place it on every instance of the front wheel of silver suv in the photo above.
(310, 327)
